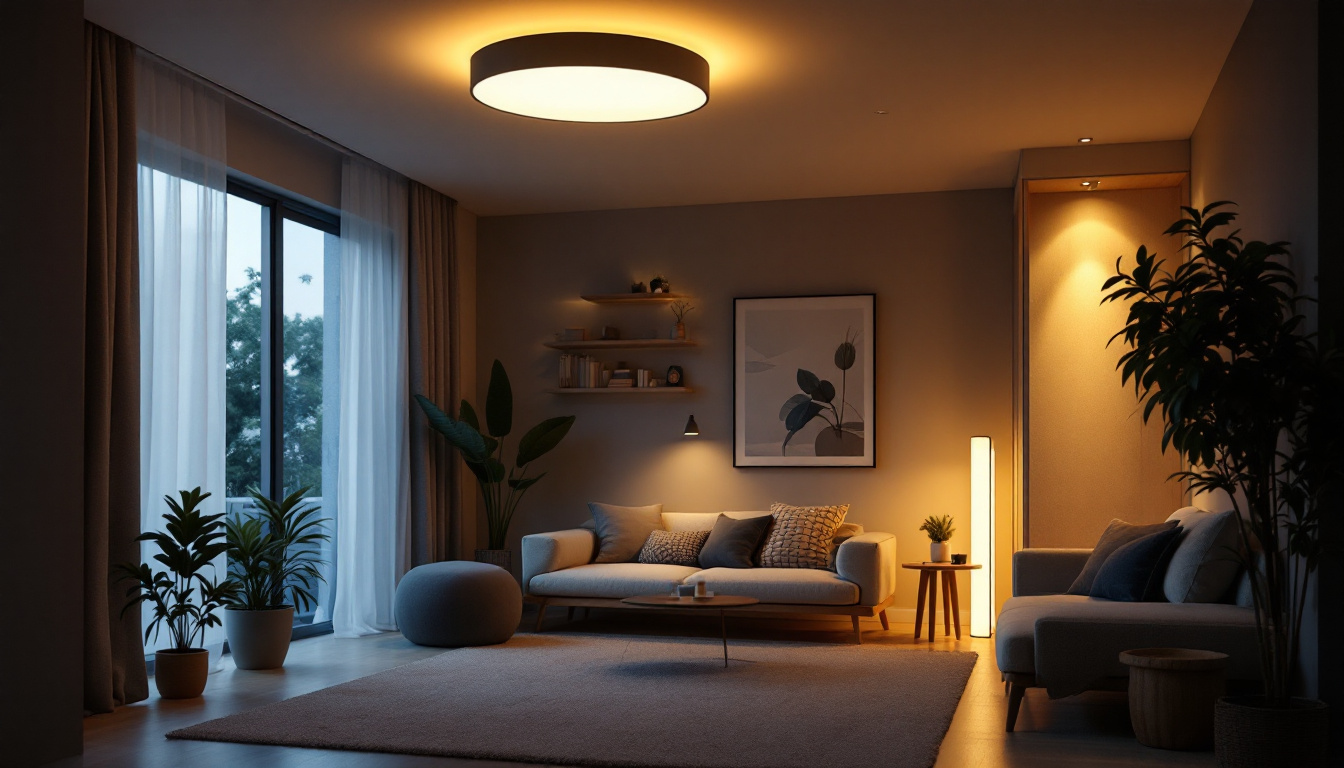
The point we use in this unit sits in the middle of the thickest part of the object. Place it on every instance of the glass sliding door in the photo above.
(283, 388)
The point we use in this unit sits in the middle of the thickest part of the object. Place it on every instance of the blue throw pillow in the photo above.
(1133, 573)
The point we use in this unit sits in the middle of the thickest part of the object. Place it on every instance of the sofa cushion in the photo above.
(1070, 642)
(800, 537)
(733, 543)
(622, 531)
(1116, 535)
(1205, 564)
(613, 580)
(673, 548)
(786, 586)
(1133, 573)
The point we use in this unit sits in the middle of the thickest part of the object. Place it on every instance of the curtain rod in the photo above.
(259, 108)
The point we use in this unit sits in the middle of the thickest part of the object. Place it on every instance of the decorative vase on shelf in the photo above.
(679, 332)
(940, 552)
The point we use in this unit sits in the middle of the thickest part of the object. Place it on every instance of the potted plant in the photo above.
(1248, 398)
(183, 598)
(939, 528)
(274, 560)
(839, 437)
(679, 310)
(484, 454)
(659, 284)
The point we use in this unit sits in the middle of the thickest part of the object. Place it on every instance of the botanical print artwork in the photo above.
(804, 381)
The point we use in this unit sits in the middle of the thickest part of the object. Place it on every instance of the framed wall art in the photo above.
(803, 381)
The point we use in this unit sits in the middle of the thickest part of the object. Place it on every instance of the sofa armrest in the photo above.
(1046, 571)
(555, 551)
(869, 560)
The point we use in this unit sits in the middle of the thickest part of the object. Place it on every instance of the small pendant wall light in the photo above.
(691, 427)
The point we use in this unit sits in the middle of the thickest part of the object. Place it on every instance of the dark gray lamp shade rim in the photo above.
(590, 49)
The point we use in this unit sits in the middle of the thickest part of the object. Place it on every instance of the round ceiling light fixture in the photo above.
(589, 77)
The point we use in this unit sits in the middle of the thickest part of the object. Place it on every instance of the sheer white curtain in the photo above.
(373, 467)
(182, 178)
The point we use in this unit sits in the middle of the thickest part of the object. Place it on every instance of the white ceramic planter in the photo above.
(940, 552)
(259, 639)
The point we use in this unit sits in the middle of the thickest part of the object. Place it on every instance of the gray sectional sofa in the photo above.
(558, 570)
(1072, 643)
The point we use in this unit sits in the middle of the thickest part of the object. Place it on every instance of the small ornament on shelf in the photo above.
(639, 288)
(659, 284)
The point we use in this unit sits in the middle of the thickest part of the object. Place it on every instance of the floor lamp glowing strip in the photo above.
(982, 536)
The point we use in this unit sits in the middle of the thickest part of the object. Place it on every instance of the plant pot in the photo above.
(181, 674)
(1248, 733)
(501, 557)
(940, 552)
(259, 639)
(679, 332)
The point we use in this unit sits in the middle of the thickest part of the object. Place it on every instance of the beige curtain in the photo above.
(436, 514)
(114, 662)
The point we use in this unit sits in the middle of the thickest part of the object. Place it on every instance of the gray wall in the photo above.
(940, 264)
(1256, 143)
(41, 379)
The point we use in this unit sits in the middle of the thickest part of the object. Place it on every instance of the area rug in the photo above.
(639, 701)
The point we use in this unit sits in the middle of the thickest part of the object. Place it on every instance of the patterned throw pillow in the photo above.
(801, 536)
(673, 547)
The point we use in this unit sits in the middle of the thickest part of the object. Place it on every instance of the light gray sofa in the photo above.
(558, 570)
(1070, 643)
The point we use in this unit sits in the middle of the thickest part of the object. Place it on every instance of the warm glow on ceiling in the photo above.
(590, 94)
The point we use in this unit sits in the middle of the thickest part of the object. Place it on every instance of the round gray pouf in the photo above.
(458, 603)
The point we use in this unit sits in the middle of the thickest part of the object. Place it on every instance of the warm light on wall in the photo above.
(982, 536)
(589, 77)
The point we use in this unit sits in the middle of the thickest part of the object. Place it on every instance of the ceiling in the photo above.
(794, 91)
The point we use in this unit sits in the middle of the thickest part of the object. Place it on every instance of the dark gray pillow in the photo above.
(732, 543)
(622, 531)
(1133, 572)
(1117, 534)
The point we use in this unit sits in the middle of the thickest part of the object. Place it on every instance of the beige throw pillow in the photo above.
(673, 548)
(622, 531)
(800, 537)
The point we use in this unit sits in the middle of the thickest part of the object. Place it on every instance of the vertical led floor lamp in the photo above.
(982, 536)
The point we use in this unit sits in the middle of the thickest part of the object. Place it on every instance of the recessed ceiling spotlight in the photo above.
(1085, 140)
(589, 77)
(1092, 184)
(879, 111)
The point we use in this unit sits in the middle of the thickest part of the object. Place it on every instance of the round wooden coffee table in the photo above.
(720, 602)
(928, 574)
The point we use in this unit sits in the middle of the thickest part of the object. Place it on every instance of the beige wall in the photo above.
(270, 151)
(1256, 143)
(1091, 456)
(42, 151)
(940, 264)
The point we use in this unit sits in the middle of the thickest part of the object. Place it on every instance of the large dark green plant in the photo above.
(275, 553)
(182, 597)
(484, 453)
(1220, 347)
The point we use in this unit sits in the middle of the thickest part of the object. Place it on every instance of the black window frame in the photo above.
(279, 207)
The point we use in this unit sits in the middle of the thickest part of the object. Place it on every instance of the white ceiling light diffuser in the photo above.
(589, 77)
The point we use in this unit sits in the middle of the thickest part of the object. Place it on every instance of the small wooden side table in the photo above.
(928, 574)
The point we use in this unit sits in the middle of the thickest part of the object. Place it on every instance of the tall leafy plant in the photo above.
(1220, 348)
(839, 437)
(184, 599)
(502, 486)
(274, 556)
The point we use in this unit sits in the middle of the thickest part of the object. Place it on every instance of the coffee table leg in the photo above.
(723, 629)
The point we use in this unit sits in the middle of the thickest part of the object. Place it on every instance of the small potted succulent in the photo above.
(659, 284)
(939, 528)
(182, 597)
(679, 310)
(274, 559)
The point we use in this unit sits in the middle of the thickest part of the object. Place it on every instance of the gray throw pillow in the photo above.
(1205, 563)
(733, 543)
(622, 531)
(1116, 535)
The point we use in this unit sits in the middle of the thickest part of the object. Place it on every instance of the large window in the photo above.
(282, 389)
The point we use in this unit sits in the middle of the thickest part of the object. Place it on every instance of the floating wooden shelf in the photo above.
(622, 344)
(634, 298)
(621, 391)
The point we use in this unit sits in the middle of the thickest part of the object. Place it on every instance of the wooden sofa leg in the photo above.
(569, 615)
(541, 615)
(858, 636)
(1015, 693)
(886, 626)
